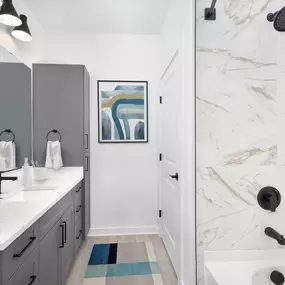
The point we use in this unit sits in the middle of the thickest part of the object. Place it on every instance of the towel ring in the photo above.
(8, 131)
(54, 132)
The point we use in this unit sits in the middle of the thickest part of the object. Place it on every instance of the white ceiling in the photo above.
(100, 16)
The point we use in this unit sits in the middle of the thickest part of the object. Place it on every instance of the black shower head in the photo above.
(278, 19)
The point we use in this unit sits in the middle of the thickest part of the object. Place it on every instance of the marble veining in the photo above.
(240, 118)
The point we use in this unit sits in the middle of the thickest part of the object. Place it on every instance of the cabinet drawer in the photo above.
(28, 273)
(77, 190)
(78, 214)
(16, 254)
(78, 235)
(78, 209)
(50, 218)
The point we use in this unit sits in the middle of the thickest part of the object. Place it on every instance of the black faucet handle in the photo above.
(270, 232)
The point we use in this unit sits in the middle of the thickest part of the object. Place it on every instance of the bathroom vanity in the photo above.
(41, 231)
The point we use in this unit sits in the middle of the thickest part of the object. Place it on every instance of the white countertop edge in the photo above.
(9, 241)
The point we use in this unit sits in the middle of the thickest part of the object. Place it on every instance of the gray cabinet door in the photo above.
(86, 111)
(86, 193)
(78, 236)
(59, 104)
(50, 259)
(68, 249)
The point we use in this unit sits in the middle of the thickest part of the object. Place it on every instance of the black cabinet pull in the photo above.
(62, 236)
(80, 233)
(175, 176)
(78, 209)
(32, 239)
(78, 190)
(86, 163)
(33, 279)
(64, 241)
(87, 141)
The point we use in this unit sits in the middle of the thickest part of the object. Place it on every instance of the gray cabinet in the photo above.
(61, 101)
(61, 98)
(44, 253)
(67, 251)
(50, 258)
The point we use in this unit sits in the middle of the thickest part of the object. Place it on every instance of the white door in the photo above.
(170, 146)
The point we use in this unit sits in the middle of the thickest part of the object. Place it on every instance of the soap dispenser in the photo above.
(27, 173)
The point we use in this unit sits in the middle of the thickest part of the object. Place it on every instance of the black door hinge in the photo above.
(160, 213)
(160, 99)
(160, 157)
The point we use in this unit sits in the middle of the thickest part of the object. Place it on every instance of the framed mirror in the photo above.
(15, 111)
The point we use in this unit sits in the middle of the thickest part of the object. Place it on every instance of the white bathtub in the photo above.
(248, 267)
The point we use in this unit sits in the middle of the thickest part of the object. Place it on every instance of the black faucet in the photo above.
(275, 235)
(6, 178)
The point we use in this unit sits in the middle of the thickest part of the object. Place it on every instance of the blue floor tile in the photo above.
(100, 254)
(127, 269)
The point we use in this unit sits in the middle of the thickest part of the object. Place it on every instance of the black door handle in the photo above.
(33, 279)
(62, 236)
(32, 239)
(175, 176)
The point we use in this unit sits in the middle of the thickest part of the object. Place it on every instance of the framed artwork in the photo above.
(123, 111)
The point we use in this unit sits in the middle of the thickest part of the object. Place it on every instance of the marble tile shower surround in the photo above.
(240, 125)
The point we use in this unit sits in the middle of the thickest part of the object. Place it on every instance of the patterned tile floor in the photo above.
(123, 260)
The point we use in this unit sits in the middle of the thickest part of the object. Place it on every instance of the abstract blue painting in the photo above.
(123, 111)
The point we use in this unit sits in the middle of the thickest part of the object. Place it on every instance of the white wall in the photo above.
(123, 177)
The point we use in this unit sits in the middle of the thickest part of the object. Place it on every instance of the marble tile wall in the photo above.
(240, 124)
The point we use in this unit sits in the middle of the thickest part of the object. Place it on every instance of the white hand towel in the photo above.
(49, 160)
(3, 156)
(11, 154)
(56, 155)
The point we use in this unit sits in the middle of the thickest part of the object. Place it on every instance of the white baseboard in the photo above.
(123, 231)
(181, 282)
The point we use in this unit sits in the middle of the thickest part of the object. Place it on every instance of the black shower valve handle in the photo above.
(269, 198)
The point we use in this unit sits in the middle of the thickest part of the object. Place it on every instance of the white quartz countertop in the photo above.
(23, 208)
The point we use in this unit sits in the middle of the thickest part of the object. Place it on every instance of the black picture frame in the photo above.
(99, 110)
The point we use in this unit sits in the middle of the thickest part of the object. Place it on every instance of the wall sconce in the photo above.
(8, 14)
(22, 32)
